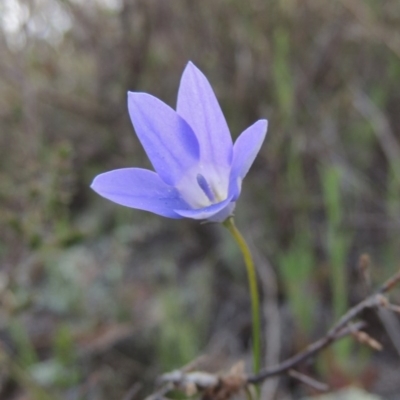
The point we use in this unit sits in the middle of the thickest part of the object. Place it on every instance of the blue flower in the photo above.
(199, 171)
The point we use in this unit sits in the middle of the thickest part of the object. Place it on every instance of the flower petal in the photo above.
(167, 138)
(206, 212)
(245, 150)
(141, 189)
(222, 215)
(198, 105)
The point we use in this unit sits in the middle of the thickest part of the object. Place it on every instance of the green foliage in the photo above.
(296, 262)
(180, 336)
(282, 74)
(64, 345)
(52, 373)
(338, 244)
(62, 370)
(297, 267)
(26, 354)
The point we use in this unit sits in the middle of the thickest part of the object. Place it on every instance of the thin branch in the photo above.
(366, 339)
(340, 329)
(364, 264)
(392, 326)
(310, 351)
(393, 307)
(307, 380)
(133, 391)
(390, 284)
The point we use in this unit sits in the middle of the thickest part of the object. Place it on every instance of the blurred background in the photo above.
(97, 299)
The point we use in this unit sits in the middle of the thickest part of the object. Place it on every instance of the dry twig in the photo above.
(307, 380)
(342, 328)
(223, 387)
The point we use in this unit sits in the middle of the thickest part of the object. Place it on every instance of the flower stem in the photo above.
(255, 298)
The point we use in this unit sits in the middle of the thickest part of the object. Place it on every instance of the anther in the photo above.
(205, 187)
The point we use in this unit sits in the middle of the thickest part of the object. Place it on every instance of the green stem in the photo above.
(255, 298)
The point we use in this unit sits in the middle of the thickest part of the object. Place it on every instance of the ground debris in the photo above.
(207, 385)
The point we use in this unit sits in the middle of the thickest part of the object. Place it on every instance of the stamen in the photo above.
(205, 187)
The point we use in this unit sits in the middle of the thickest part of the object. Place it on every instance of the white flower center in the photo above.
(203, 186)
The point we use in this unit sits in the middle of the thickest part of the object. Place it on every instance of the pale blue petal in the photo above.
(141, 189)
(222, 215)
(168, 140)
(245, 150)
(206, 212)
(198, 105)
